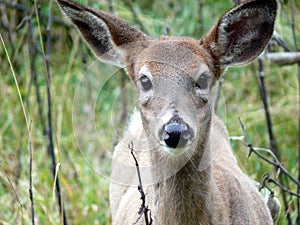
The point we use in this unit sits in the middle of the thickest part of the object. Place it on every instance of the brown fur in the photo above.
(200, 183)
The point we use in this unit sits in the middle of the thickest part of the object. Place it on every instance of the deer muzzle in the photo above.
(176, 133)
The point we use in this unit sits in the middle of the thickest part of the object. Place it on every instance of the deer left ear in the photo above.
(242, 33)
(106, 35)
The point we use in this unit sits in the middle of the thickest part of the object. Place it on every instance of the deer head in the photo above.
(174, 76)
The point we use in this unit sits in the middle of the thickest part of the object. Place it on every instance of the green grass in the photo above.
(84, 151)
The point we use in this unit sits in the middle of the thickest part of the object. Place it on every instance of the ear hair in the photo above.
(242, 33)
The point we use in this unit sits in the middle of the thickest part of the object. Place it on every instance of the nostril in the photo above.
(176, 135)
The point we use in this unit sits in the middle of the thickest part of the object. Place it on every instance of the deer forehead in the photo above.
(169, 56)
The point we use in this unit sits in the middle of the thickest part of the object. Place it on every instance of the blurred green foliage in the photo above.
(74, 72)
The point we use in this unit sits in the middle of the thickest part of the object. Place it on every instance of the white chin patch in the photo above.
(173, 151)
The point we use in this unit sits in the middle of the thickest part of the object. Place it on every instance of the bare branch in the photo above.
(30, 176)
(284, 58)
(272, 139)
(274, 162)
(292, 23)
(267, 178)
(143, 209)
(21, 7)
(264, 99)
(279, 40)
(49, 103)
(13, 188)
(31, 40)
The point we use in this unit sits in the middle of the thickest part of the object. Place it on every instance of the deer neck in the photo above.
(185, 197)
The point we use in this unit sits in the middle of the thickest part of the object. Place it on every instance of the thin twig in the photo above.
(272, 139)
(263, 95)
(292, 23)
(30, 176)
(7, 26)
(21, 7)
(50, 123)
(14, 191)
(24, 114)
(274, 162)
(49, 102)
(279, 40)
(268, 178)
(14, 5)
(16, 82)
(13, 188)
(143, 209)
(32, 55)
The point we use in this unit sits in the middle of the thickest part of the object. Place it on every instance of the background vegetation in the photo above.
(79, 83)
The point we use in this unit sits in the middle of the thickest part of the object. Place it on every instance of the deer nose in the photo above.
(176, 133)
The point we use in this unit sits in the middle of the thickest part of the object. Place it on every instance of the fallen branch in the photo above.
(143, 209)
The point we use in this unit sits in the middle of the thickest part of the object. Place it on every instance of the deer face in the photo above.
(174, 86)
(174, 76)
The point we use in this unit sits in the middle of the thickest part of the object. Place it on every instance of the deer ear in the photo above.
(105, 34)
(242, 33)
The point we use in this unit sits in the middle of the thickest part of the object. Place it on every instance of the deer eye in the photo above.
(146, 83)
(202, 82)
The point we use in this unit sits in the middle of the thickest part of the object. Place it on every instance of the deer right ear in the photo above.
(242, 33)
(105, 34)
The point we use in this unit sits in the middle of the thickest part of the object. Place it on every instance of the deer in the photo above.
(188, 168)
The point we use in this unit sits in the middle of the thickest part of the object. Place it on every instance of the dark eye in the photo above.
(202, 82)
(146, 83)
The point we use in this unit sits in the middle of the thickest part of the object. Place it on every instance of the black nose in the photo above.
(176, 133)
